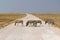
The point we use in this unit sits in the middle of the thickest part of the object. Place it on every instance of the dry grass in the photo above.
(55, 17)
(6, 19)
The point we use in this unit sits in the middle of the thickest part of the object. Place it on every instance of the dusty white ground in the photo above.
(44, 32)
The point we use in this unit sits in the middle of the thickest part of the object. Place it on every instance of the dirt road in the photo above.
(44, 32)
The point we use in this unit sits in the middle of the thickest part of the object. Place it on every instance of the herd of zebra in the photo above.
(35, 22)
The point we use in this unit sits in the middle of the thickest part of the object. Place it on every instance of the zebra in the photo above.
(49, 21)
(33, 22)
(18, 21)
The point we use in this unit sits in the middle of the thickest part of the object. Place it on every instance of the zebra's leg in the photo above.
(27, 24)
(15, 23)
(35, 24)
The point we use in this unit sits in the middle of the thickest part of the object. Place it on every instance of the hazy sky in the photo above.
(29, 6)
